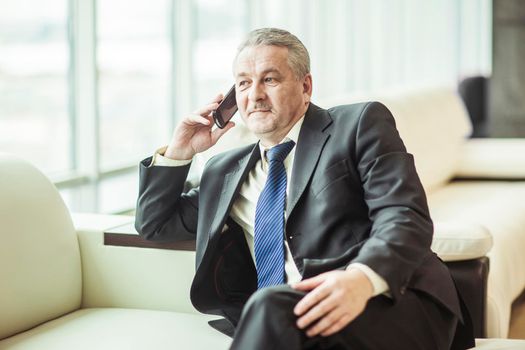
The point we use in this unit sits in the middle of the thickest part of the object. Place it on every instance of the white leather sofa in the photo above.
(63, 288)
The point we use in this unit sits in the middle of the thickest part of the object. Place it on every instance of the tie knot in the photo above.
(278, 153)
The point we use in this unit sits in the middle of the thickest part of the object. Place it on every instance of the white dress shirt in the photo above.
(243, 209)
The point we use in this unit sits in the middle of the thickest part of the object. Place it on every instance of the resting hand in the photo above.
(335, 299)
(194, 134)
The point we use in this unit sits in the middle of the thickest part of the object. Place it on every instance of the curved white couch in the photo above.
(61, 288)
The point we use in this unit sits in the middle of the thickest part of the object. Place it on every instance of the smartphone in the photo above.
(227, 108)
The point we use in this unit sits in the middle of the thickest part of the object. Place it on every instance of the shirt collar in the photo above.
(293, 135)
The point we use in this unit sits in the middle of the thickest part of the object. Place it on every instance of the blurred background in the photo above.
(89, 88)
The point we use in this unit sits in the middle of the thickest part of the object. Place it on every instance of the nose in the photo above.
(257, 92)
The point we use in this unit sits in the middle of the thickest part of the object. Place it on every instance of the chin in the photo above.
(259, 125)
(259, 129)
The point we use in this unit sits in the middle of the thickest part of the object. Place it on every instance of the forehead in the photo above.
(255, 60)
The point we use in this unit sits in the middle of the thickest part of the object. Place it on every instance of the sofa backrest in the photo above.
(433, 124)
(40, 272)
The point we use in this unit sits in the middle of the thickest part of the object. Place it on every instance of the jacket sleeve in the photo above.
(163, 212)
(402, 230)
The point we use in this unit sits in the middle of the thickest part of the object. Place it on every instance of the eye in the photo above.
(269, 80)
(243, 85)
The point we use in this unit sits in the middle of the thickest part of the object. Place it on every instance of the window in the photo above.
(134, 66)
(220, 27)
(34, 63)
(88, 88)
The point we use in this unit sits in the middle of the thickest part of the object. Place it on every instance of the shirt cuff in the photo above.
(158, 159)
(378, 283)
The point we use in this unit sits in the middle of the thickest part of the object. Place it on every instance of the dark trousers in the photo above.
(415, 322)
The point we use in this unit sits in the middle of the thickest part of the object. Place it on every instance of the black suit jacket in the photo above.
(354, 196)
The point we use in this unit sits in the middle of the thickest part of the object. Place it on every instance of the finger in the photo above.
(194, 119)
(217, 99)
(311, 299)
(338, 325)
(310, 283)
(319, 311)
(217, 133)
(209, 117)
(325, 323)
(206, 110)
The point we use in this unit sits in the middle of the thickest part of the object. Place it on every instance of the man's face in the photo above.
(269, 96)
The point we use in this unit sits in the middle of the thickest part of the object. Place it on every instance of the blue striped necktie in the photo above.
(269, 220)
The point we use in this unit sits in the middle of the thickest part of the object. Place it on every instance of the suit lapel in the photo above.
(230, 187)
(312, 139)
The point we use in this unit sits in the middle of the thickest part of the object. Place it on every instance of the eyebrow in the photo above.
(266, 71)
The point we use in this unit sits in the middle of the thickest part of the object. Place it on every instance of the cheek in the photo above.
(242, 101)
(280, 103)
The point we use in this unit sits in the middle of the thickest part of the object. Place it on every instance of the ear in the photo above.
(307, 87)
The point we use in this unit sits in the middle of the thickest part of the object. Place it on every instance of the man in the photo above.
(319, 235)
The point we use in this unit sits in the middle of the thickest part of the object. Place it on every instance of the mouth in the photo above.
(259, 111)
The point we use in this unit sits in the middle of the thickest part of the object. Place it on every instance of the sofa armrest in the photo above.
(456, 241)
(127, 276)
(464, 246)
(492, 158)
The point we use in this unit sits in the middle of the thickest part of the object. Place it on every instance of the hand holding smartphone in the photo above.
(226, 110)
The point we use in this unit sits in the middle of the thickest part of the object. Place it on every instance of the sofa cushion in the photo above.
(39, 255)
(492, 158)
(121, 329)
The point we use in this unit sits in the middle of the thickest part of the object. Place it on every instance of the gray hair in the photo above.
(298, 58)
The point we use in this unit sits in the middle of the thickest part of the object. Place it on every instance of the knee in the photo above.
(265, 297)
(276, 297)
